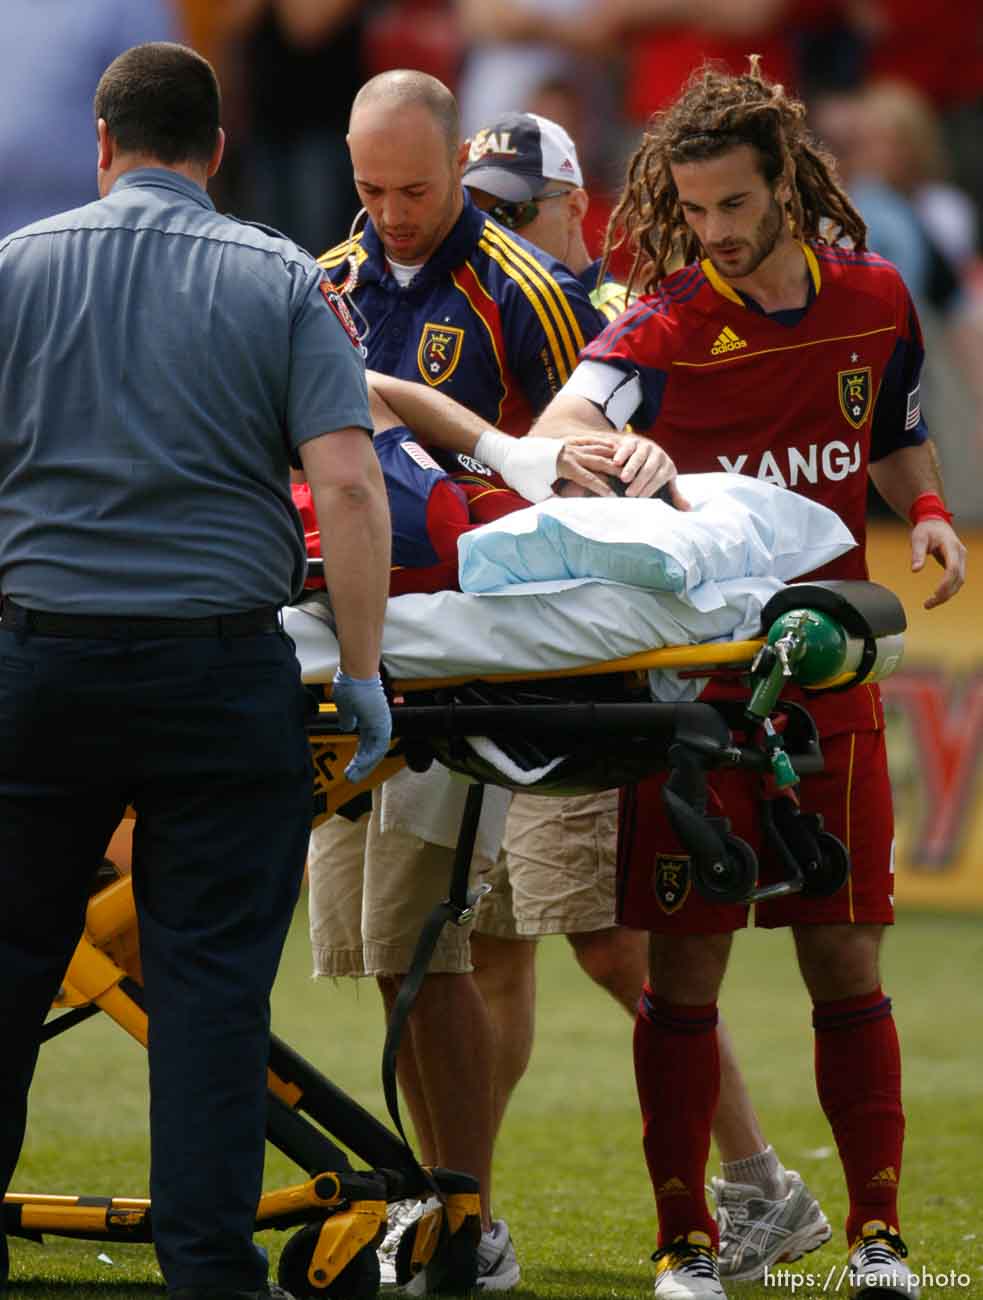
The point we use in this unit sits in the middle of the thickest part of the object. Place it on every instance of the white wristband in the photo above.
(528, 464)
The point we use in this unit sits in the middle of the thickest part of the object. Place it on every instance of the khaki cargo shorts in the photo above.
(556, 872)
(370, 893)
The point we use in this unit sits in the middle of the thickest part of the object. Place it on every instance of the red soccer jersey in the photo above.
(804, 399)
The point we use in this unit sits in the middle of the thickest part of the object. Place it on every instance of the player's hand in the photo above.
(937, 537)
(587, 459)
(362, 706)
(646, 467)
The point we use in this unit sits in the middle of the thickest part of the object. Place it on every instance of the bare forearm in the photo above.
(901, 478)
(906, 474)
(353, 515)
(436, 420)
(356, 550)
(567, 415)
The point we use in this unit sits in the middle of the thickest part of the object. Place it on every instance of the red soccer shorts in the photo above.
(853, 794)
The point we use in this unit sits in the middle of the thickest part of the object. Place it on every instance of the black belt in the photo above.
(106, 627)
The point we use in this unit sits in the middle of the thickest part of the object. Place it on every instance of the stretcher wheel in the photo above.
(828, 871)
(358, 1280)
(732, 876)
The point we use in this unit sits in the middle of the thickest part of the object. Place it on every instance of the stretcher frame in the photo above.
(341, 1211)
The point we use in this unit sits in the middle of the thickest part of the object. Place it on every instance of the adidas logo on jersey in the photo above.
(727, 341)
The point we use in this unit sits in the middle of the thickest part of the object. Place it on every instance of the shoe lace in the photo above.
(688, 1258)
(882, 1248)
(738, 1229)
(725, 1223)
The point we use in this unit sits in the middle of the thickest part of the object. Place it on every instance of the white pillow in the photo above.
(738, 527)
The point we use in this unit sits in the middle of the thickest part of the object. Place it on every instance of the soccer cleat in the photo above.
(756, 1233)
(877, 1266)
(686, 1269)
(401, 1215)
(498, 1267)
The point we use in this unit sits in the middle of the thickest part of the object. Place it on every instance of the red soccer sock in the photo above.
(677, 1070)
(858, 1077)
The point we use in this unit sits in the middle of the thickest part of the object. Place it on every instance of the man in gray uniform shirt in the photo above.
(161, 367)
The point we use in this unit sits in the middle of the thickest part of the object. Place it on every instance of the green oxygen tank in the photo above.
(821, 649)
(813, 649)
(805, 646)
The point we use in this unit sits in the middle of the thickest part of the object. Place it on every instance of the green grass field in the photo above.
(569, 1173)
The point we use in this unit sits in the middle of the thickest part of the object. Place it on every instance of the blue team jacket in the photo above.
(490, 320)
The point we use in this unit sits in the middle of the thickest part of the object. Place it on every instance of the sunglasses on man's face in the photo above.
(516, 215)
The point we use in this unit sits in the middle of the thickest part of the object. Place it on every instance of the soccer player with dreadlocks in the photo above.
(767, 341)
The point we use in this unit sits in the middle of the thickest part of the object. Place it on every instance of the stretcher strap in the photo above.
(456, 907)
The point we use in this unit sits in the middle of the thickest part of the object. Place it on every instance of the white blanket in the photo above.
(537, 627)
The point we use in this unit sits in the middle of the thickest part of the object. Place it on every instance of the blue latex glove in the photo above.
(362, 706)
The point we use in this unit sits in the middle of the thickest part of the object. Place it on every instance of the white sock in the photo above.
(764, 1171)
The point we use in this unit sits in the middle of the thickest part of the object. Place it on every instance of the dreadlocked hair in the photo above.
(715, 113)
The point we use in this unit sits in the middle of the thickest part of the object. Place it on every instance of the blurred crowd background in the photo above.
(894, 89)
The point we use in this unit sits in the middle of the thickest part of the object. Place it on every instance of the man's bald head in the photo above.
(403, 136)
(392, 93)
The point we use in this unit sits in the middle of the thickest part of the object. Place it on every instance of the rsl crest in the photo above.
(855, 392)
(671, 880)
(439, 352)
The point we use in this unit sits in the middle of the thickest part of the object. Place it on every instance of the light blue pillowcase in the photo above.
(737, 527)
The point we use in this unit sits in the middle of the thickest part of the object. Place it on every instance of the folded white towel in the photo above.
(430, 805)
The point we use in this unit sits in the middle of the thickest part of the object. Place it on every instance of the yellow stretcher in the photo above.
(609, 733)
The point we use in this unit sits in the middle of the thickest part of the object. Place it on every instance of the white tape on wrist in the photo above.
(491, 447)
(528, 464)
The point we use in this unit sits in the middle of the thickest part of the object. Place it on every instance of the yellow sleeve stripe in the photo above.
(553, 294)
(560, 358)
(543, 292)
(540, 274)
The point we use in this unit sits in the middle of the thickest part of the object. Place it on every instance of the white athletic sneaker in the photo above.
(877, 1266)
(686, 1269)
(755, 1233)
(498, 1267)
(401, 1215)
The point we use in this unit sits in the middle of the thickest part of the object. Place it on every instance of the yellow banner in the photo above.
(934, 706)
